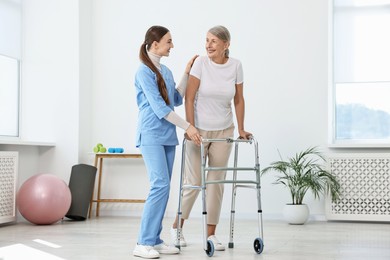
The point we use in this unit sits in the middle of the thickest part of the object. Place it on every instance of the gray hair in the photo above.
(223, 34)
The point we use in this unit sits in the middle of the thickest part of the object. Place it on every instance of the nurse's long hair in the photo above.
(154, 33)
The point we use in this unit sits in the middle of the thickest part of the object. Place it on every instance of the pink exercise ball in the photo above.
(44, 199)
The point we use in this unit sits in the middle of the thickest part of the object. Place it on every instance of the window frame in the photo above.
(332, 141)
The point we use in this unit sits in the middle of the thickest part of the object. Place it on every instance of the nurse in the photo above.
(156, 135)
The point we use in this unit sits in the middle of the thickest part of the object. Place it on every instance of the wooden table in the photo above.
(99, 165)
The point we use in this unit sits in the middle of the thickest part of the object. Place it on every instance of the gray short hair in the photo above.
(223, 34)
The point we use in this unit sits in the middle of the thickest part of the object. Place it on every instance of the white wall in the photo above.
(85, 80)
(50, 79)
(283, 47)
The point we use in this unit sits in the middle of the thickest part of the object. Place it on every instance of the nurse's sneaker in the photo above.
(217, 245)
(166, 249)
(175, 241)
(145, 252)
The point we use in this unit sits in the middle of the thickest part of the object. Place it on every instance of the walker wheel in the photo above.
(258, 245)
(210, 248)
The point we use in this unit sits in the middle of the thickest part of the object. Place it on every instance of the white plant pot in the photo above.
(296, 214)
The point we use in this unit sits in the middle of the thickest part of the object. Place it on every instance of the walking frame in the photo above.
(208, 245)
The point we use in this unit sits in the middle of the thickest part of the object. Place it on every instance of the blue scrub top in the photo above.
(152, 128)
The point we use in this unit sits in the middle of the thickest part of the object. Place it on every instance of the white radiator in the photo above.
(8, 179)
(365, 183)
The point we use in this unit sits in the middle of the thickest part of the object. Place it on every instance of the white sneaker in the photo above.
(166, 249)
(183, 242)
(217, 245)
(145, 251)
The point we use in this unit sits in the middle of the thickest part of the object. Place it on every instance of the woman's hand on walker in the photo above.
(244, 134)
(193, 134)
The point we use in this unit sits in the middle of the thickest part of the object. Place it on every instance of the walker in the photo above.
(208, 245)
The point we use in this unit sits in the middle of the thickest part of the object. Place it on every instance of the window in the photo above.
(10, 56)
(360, 73)
(9, 96)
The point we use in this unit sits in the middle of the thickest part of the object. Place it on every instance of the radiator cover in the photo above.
(365, 187)
(8, 180)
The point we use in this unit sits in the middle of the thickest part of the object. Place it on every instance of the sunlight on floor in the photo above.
(20, 251)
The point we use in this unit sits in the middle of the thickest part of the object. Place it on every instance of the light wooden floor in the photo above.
(115, 237)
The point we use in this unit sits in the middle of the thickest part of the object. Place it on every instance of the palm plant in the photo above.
(304, 172)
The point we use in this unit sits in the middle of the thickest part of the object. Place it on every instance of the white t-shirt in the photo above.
(213, 101)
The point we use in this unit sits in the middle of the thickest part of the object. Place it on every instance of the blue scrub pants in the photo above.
(159, 163)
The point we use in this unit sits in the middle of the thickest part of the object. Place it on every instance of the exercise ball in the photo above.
(43, 199)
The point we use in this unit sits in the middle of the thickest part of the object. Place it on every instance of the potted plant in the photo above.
(302, 173)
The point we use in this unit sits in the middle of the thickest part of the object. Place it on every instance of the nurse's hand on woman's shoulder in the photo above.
(190, 63)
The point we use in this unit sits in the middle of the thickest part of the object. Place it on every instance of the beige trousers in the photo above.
(217, 155)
